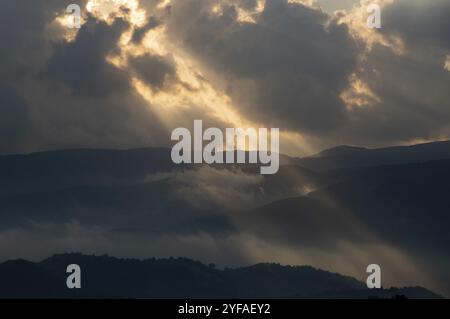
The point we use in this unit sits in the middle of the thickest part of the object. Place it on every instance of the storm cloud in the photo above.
(287, 69)
(59, 94)
(281, 64)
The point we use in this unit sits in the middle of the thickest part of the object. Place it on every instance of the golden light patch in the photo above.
(243, 15)
(66, 21)
(154, 41)
(191, 92)
(249, 16)
(109, 9)
(163, 4)
(447, 63)
(217, 9)
(358, 94)
(356, 19)
(309, 3)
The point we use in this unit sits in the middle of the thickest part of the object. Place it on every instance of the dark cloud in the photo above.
(287, 69)
(14, 121)
(412, 85)
(82, 64)
(59, 94)
(413, 98)
(420, 23)
(153, 69)
(24, 41)
(290, 68)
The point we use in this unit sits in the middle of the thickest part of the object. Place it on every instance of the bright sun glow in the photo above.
(106, 9)
(192, 93)
(358, 94)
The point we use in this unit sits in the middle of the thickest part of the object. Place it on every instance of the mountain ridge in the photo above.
(111, 277)
(352, 157)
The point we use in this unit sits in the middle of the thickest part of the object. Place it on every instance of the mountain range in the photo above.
(350, 156)
(105, 277)
(395, 198)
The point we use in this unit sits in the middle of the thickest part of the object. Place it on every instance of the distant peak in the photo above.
(341, 150)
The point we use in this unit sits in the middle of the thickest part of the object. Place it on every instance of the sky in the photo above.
(136, 70)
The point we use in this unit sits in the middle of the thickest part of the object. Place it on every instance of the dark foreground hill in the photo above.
(108, 277)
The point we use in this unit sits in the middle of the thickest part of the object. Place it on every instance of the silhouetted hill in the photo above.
(348, 156)
(62, 169)
(23, 279)
(343, 150)
(108, 277)
(390, 293)
(69, 169)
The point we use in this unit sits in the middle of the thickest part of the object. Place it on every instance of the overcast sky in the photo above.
(138, 69)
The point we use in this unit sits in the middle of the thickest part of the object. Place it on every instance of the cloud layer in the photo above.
(128, 78)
